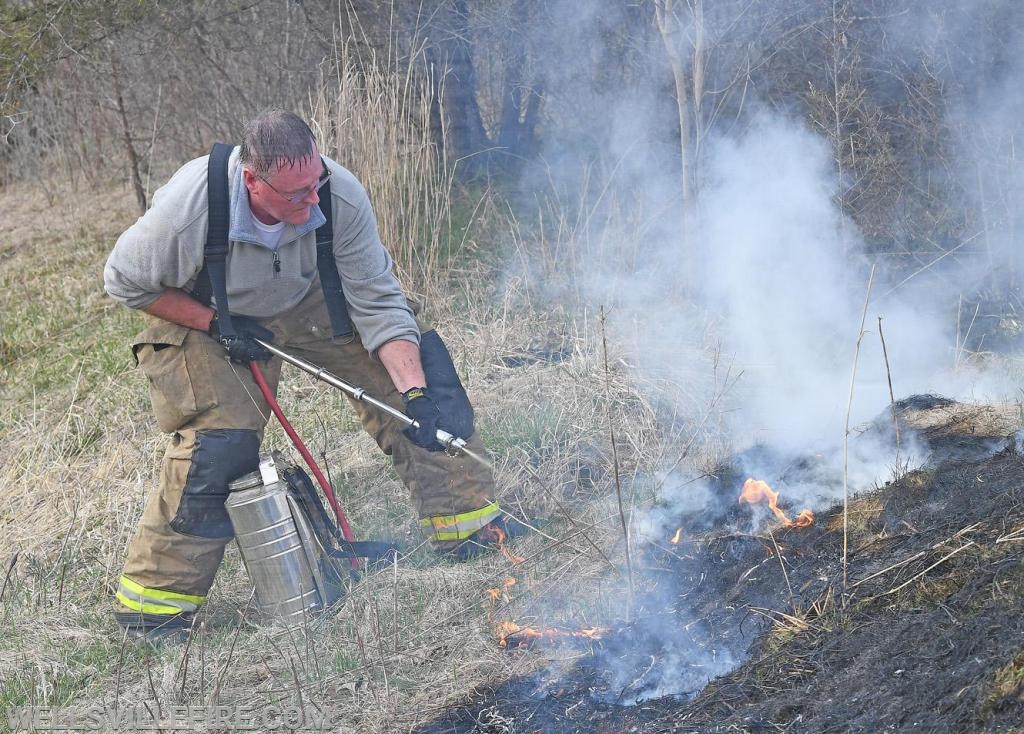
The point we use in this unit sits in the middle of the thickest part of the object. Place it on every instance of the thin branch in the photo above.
(846, 435)
(919, 554)
(892, 395)
(927, 266)
(615, 463)
(915, 577)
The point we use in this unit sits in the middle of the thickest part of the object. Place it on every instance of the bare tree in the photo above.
(457, 111)
(688, 76)
(126, 130)
(684, 73)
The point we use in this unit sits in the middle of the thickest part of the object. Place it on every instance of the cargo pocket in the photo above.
(180, 382)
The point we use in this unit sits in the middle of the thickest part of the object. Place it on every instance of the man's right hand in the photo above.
(241, 346)
(421, 408)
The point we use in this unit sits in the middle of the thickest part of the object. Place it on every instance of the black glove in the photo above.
(241, 347)
(422, 409)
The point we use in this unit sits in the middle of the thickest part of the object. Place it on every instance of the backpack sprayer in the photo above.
(290, 547)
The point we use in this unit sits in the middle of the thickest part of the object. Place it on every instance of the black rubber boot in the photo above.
(156, 629)
(490, 537)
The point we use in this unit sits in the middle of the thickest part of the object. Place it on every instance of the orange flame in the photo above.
(526, 635)
(755, 491)
(495, 593)
(804, 519)
(677, 537)
(499, 543)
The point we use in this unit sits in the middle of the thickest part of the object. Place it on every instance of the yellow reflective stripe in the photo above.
(457, 535)
(155, 601)
(145, 607)
(128, 584)
(461, 526)
(447, 521)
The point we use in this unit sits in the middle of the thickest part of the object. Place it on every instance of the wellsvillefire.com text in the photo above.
(151, 717)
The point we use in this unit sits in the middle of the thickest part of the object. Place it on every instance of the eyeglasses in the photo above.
(325, 176)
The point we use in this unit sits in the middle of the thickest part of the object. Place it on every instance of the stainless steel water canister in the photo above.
(277, 544)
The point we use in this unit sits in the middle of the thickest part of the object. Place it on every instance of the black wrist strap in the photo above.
(412, 393)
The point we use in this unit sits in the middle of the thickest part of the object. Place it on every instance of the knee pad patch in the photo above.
(220, 456)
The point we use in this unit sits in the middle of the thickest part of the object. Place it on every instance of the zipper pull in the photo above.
(277, 262)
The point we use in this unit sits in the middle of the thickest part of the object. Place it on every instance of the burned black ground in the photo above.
(927, 636)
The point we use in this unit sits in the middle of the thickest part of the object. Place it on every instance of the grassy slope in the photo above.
(79, 452)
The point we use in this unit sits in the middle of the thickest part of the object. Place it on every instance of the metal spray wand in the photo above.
(452, 444)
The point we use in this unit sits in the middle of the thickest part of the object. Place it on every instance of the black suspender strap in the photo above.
(212, 278)
(330, 279)
(215, 254)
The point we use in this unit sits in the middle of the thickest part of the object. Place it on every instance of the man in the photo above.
(203, 392)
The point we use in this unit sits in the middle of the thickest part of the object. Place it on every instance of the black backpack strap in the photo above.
(212, 278)
(330, 279)
(301, 488)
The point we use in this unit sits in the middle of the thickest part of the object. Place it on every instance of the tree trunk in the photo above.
(520, 104)
(460, 125)
(668, 26)
(133, 156)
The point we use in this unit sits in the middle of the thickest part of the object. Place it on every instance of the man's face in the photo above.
(269, 194)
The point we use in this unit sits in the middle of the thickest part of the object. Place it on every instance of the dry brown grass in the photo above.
(377, 123)
(993, 419)
(79, 452)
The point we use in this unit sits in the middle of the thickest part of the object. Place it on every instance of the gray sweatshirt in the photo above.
(164, 249)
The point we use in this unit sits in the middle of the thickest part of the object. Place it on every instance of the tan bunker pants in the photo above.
(216, 416)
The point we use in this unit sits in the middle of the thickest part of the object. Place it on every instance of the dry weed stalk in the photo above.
(916, 576)
(846, 434)
(376, 122)
(782, 565)
(961, 340)
(7, 576)
(892, 395)
(787, 623)
(921, 554)
(568, 516)
(615, 465)
(1016, 535)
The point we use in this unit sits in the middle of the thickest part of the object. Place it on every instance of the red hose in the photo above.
(346, 531)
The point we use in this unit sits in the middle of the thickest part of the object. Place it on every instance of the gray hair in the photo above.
(275, 137)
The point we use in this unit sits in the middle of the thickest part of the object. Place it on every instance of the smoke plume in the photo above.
(793, 303)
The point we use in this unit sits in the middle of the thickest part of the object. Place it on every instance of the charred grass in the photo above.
(927, 634)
